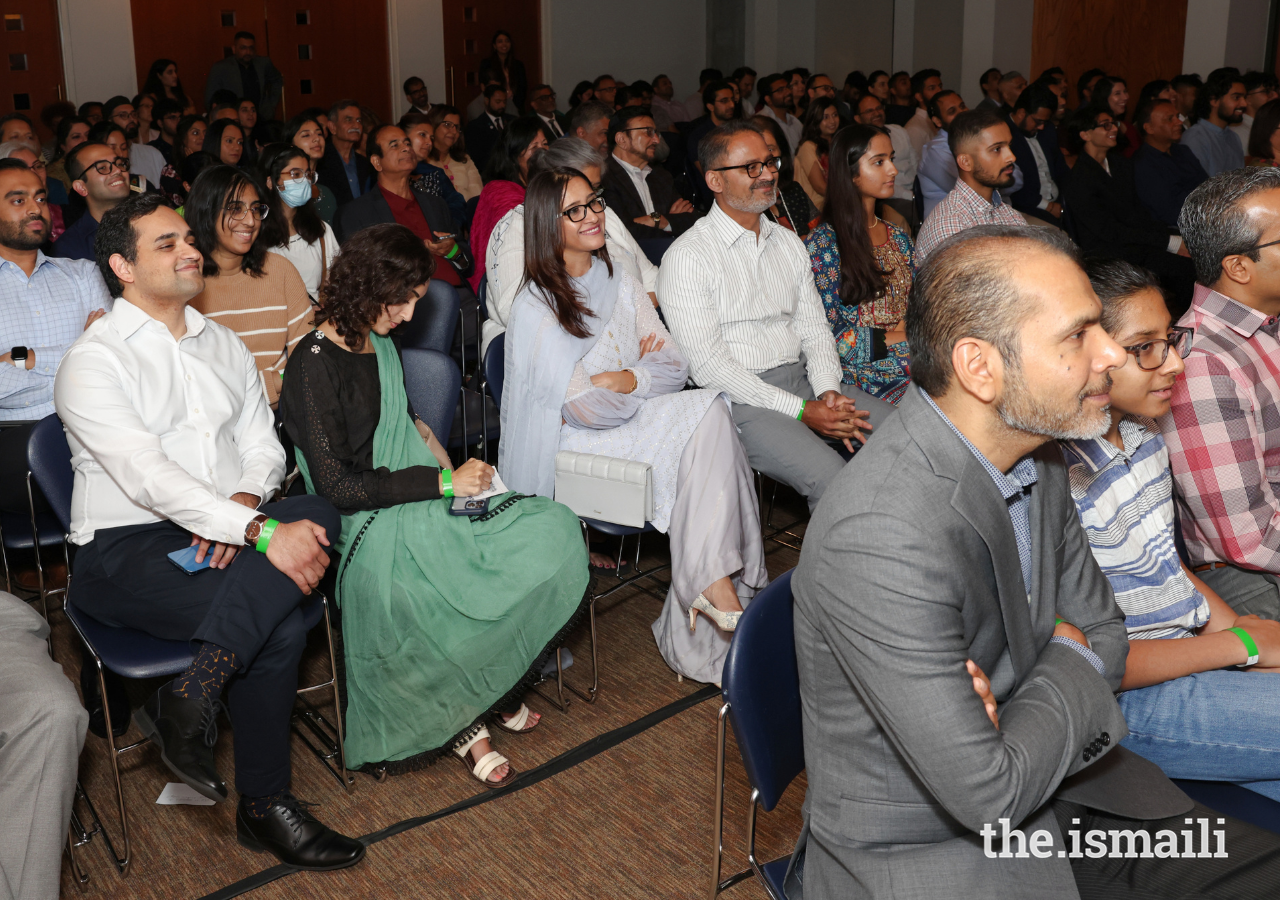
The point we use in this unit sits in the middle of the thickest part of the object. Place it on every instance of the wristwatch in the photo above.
(253, 530)
(657, 218)
(19, 357)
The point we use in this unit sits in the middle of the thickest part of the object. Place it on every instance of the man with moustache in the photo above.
(343, 170)
(102, 179)
(980, 142)
(738, 294)
(1164, 171)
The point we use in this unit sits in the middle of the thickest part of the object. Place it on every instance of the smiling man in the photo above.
(101, 177)
(643, 195)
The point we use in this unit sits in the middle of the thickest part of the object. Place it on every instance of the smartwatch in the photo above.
(19, 357)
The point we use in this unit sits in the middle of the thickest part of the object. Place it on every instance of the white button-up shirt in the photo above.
(165, 430)
(739, 306)
(639, 178)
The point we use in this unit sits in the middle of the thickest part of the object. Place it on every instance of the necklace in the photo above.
(875, 223)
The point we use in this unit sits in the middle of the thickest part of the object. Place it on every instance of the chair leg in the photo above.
(337, 700)
(717, 820)
(122, 863)
(80, 876)
(591, 693)
(35, 544)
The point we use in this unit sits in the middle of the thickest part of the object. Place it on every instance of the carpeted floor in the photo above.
(632, 821)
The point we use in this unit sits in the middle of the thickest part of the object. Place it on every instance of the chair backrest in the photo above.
(435, 320)
(49, 460)
(762, 686)
(432, 380)
(482, 295)
(495, 363)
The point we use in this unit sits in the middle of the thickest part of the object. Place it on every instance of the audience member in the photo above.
(937, 171)
(163, 83)
(136, 500)
(664, 105)
(590, 122)
(1259, 88)
(643, 195)
(604, 89)
(247, 117)
(1220, 104)
(1155, 90)
(862, 265)
(1039, 196)
(72, 132)
(797, 78)
(989, 84)
(870, 111)
(483, 132)
(693, 103)
(1222, 429)
(449, 152)
(505, 181)
(878, 85)
(924, 84)
(415, 91)
(144, 160)
(745, 79)
(224, 105)
(189, 142)
(1010, 88)
(224, 138)
(1263, 148)
(1085, 84)
(718, 105)
(979, 140)
(854, 89)
(525, 558)
(509, 71)
(100, 176)
(256, 294)
(1188, 89)
(1164, 171)
(582, 92)
(819, 85)
(426, 178)
(1111, 95)
(910, 747)
(738, 295)
(542, 100)
(821, 122)
(342, 169)
(1179, 698)
(168, 113)
(247, 75)
(24, 154)
(306, 131)
(91, 110)
(1106, 215)
(791, 208)
(15, 126)
(144, 107)
(292, 227)
(776, 94)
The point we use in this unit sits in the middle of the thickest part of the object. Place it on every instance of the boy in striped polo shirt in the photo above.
(1188, 708)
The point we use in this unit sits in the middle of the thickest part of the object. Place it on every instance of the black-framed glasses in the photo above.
(1106, 125)
(237, 209)
(754, 169)
(1261, 246)
(579, 212)
(104, 166)
(1150, 355)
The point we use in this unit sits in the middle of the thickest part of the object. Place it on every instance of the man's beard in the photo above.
(1234, 119)
(751, 202)
(1019, 410)
(996, 182)
(17, 237)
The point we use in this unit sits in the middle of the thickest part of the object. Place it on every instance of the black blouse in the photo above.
(330, 403)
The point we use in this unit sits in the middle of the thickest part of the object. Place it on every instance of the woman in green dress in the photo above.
(446, 619)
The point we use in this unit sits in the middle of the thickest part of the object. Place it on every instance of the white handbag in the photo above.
(605, 487)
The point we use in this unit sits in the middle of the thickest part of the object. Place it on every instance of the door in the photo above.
(469, 26)
(31, 60)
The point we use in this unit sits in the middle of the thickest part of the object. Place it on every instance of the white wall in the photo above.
(853, 36)
(416, 48)
(97, 49)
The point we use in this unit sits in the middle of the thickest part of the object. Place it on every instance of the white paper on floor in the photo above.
(176, 793)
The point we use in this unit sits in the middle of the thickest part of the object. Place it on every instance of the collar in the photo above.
(1220, 129)
(634, 170)
(730, 232)
(41, 260)
(969, 197)
(394, 199)
(126, 319)
(1019, 478)
(1243, 320)
(1098, 453)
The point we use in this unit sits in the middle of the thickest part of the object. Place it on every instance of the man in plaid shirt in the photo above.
(1223, 430)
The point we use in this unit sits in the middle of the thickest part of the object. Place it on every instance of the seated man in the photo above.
(173, 447)
(1039, 199)
(738, 295)
(937, 170)
(1181, 700)
(1223, 430)
(642, 194)
(979, 141)
(1164, 171)
(944, 552)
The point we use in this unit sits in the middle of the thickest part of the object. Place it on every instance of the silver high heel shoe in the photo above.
(725, 621)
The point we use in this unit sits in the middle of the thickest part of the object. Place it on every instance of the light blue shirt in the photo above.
(1218, 149)
(938, 174)
(45, 313)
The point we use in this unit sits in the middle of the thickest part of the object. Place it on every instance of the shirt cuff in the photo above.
(234, 518)
(1092, 658)
(1175, 243)
(1043, 204)
(789, 405)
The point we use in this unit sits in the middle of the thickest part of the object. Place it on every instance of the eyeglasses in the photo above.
(754, 169)
(579, 212)
(1261, 246)
(1107, 125)
(649, 132)
(447, 126)
(1152, 354)
(104, 166)
(296, 174)
(237, 209)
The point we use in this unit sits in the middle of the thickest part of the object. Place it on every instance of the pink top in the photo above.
(496, 200)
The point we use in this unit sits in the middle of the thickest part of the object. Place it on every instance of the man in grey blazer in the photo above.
(247, 75)
(945, 551)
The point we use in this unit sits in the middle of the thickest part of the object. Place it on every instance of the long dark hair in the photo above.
(544, 248)
(64, 131)
(1100, 98)
(458, 152)
(153, 84)
(578, 90)
(378, 267)
(861, 277)
(275, 227)
(813, 123)
(493, 59)
(504, 160)
(213, 137)
(180, 140)
(214, 188)
(1265, 123)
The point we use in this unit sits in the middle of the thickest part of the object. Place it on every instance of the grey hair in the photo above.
(566, 153)
(1010, 77)
(7, 148)
(714, 145)
(585, 114)
(1215, 224)
(965, 289)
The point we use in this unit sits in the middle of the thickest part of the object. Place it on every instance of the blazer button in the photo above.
(1088, 755)
(1106, 739)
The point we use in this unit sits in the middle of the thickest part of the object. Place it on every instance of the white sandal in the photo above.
(516, 724)
(484, 766)
(725, 621)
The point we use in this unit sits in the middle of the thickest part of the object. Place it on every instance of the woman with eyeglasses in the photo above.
(306, 132)
(863, 265)
(505, 177)
(189, 140)
(446, 619)
(427, 178)
(293, 228)
(258, 295)
(591, 368)
(449, 151)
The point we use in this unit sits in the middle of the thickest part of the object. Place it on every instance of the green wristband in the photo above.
(452, 253)
(1058, 622)
(268, 529)
(1250, 647)
(446, 481)
(800, 418)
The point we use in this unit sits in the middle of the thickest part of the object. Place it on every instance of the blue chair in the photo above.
(30, 533)
(135, 654)
(495, 364)
(433, 382)
(761, 688)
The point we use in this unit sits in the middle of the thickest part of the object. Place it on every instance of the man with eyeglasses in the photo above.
(542, 98)
(739, 298)
(642, 194)
(342, 170)
(102, 179)
(1038, 199)
(1259, 88)
(167, 114)
(1223, 430)
(144, 159)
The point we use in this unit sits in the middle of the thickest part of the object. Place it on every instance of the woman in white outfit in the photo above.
(590, 368)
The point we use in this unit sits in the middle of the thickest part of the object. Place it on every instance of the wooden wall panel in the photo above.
(1139, 39)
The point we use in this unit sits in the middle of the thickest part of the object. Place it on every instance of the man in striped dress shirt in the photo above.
(738, 295)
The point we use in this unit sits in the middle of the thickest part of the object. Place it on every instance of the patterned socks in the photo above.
(258, 807)
(207, 674)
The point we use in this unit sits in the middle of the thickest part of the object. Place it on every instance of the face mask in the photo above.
(295, 193)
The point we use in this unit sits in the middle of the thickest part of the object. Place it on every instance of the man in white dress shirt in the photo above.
(173, 447)
(738, 294)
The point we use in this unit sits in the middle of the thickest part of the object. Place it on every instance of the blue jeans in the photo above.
(1222, 725)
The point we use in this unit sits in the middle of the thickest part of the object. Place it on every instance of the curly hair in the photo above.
(380, 265)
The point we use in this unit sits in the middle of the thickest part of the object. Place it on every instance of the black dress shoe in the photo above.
(92, 693)
(185, 731)
(296, 838)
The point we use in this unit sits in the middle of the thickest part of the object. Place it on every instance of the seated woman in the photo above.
(862, 265)
(224, 138)
(187, 142)
(821, 123)
(449, 151)
(505, 178)
(1188, 709)
(306, 132)
(590, 368)
(427, 178)
(792, 207)
(446, 619)
(293, 228)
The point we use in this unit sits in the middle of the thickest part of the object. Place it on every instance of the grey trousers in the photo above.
(42, 726)
(1246, 591)
(787, 450)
